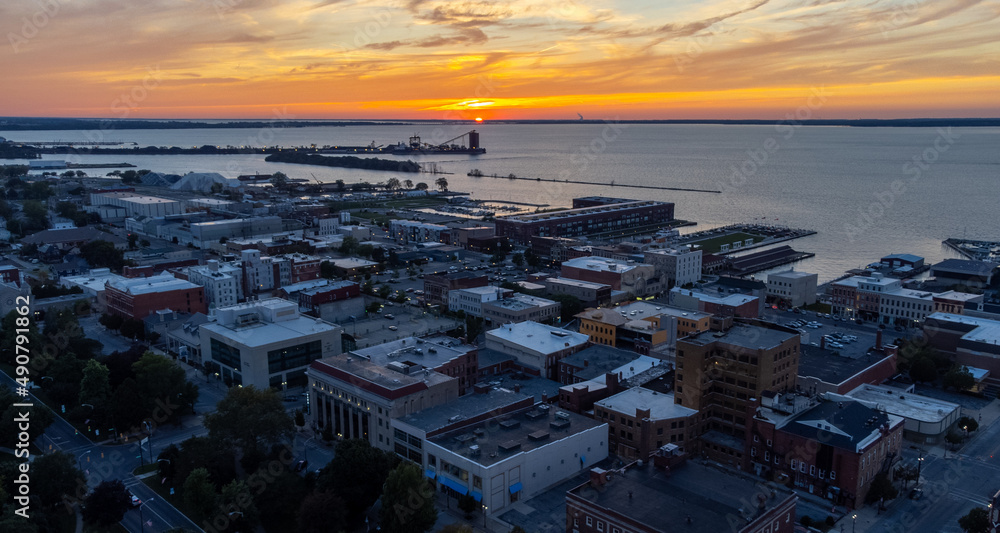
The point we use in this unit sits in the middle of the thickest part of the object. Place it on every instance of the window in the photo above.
(767, 456)
(756, 438)
(794, 464)
(590, 521)
(600, 526)
(753, 452)
(812, 470)
(768, 442)
(833, 475)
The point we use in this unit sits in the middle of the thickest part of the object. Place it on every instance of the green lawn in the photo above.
(712, 244)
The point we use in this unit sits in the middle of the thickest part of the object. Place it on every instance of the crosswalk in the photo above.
(978, 499)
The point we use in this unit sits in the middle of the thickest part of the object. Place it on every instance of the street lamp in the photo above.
(920, 463)
(142, 526)
(854, 527)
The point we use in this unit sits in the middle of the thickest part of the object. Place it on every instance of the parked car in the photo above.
(393, 328)
(389, 316)
(916, 494)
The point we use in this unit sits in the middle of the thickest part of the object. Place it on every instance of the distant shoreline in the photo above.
(62, 124)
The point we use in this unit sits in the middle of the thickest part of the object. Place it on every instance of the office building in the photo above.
(266, 343)
(792, 288)
(677, 267)
(638, 279)
(536, 347)
(437, 286)
(137, 298)
(223, 282)
(520, 308)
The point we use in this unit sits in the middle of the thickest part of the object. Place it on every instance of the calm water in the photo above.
(860, 188)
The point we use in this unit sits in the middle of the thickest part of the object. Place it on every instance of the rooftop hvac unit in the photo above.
(562, 414)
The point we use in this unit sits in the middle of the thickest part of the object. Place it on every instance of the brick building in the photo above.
(641, 421)
(137, 298)
(596, 217)
(833, 448)
(437, 286)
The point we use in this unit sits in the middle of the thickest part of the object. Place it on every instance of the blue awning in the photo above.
(516, 487)
(583, 459)
(429, 473)
(454, 485)
(478, 496)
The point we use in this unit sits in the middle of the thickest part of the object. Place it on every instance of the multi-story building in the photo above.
(520, 308)
(408, 231)
(641, 421)
(833, 448)
(613, 218)
(792, 287)
(677, 267)
(438, 285)
(258, 272)
(970, 340)
(716, 303)
(670, 496)
(223, 282)
(266, 343)
(591, 362)
(411, 356)
(137, 298)
(637, 278)
(640, 326)
(955, 302)
(591, 294)
(536, 347)
(497, 455)
(357, 399)
(719, 372)
(905, 307)
(471, 300)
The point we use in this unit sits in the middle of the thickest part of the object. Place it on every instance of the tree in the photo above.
(279, 180)
(366, 466)
(107, 504)
(112, 322)
(164, 386)
(954, 438)
(103, 254)
(907, 473)
(570, 305)
(923, 370)
(54, 475)
(327, 270)
(959, 378)
(392, 184)
(968, 423)
(467, 504)
(365, 250)
(132, 240)
(977, 521)
(473, 327)
(95, 388)
(881, 489)
(250, 419)
(442, 183)
(322, 512)
(421, 186)
(408, 501)
(408, 183)
(517, 259)
(340, 185)
(39, 416)
(36, 215)
(236, 498)
(126, 406)
(349, 245)
(533, 260)
(384, 290)
(300, 419)
(279, 501)
(199, 494)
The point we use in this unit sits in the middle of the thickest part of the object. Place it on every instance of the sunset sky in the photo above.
(545, 59)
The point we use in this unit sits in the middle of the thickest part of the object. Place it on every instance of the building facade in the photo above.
(677, 267)
(793, 287)
(626, 216)
(137, 298)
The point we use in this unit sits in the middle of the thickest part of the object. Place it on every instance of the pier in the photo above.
(975, 249)
(475, 174)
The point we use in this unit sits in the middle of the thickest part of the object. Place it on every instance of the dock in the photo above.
(580, 182)
(975, 249)
(764, 260)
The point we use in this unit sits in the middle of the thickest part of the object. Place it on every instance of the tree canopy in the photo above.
(107, 504)
(250, 419)
(408, 501)
(366, 466)
(976, 521)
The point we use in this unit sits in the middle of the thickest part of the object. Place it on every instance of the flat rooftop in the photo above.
(521, 302)
(965, 266)
(598, 359)
(159, 283)
(905, 404)
(463, 408)
(717, 298)
(355, 371)
(714, 501)
(834, 369)
(743, 335)
(538, 337)
(661, 406)
(416, 353)
(600, 264)
(647, 309)
(515, 433)
(791, 274)
(576, 283)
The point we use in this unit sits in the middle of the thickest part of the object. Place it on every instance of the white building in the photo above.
(258, 272)
(926, 419)
(679, 266)
(266, 343)
(520, 308)
(498, 447)
(223, 283)
(536, 347)
(905, 306)
(471, 300)
(408, 231)
(139, 206)
(795, 287)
